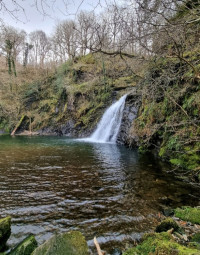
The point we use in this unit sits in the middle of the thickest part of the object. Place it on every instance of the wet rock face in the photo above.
(131, 108)
(68, 128)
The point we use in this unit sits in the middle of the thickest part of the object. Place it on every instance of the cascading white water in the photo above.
(109, 125)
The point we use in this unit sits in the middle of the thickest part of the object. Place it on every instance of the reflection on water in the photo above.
(50, 184)
(108, 155)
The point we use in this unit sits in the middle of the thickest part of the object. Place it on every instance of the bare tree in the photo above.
(11, 45)
(85, 30)
(41, 47)
(27, 49)
(65, 40)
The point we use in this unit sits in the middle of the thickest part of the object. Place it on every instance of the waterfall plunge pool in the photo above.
(55, 184)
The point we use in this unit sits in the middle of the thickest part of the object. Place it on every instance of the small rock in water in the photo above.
(168, 212)
(116, 251)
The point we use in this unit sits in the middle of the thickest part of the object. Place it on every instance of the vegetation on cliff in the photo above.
(168, 119)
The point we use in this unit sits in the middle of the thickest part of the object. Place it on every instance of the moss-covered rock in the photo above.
(188, 214)
(71, 243)
(5, 231)
(194, 245)
(161, 244)
(196, 238)
(26, 247)
(167, 224)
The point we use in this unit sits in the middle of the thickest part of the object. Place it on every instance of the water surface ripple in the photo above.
(51, 184)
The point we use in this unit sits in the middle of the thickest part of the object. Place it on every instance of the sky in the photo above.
(57, 10)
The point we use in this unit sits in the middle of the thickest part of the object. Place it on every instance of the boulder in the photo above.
(70, 243)
(5, 231)
(26, 247)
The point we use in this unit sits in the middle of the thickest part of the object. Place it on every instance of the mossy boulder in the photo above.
(26, 247)
(166, 225)
(162, 244)
(188, 214)
(70, 243)
(5, 231)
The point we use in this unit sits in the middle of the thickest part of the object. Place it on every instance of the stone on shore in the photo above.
(70, 243)
(5, 231)
(26, 247)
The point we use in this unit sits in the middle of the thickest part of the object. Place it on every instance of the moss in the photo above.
(26, 247)
(71, 243)
(194, 245)
(65, 68)
(196, 238)
(124, 82)
(4, 125)
(88, 59)
(5, 231)
(188, 214)
(162, 151)
(161, 243)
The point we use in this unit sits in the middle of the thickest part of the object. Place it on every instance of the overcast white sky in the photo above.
(57, 11)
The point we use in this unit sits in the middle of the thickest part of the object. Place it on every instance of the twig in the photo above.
(99, 251)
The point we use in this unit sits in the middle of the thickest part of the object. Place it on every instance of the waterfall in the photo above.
(109, 125)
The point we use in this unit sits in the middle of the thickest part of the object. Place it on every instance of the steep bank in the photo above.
(169, 117)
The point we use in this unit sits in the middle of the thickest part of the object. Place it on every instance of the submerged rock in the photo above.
(116, 251)
(71, 243)
(168, 212)
(26, 247)
(5, 231)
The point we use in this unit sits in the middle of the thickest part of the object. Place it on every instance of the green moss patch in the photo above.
(161, 244)
(196, 238)
(26, 247)
(71, 243)
(188, 214)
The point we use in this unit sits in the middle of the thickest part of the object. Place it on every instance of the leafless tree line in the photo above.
(134, 28)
